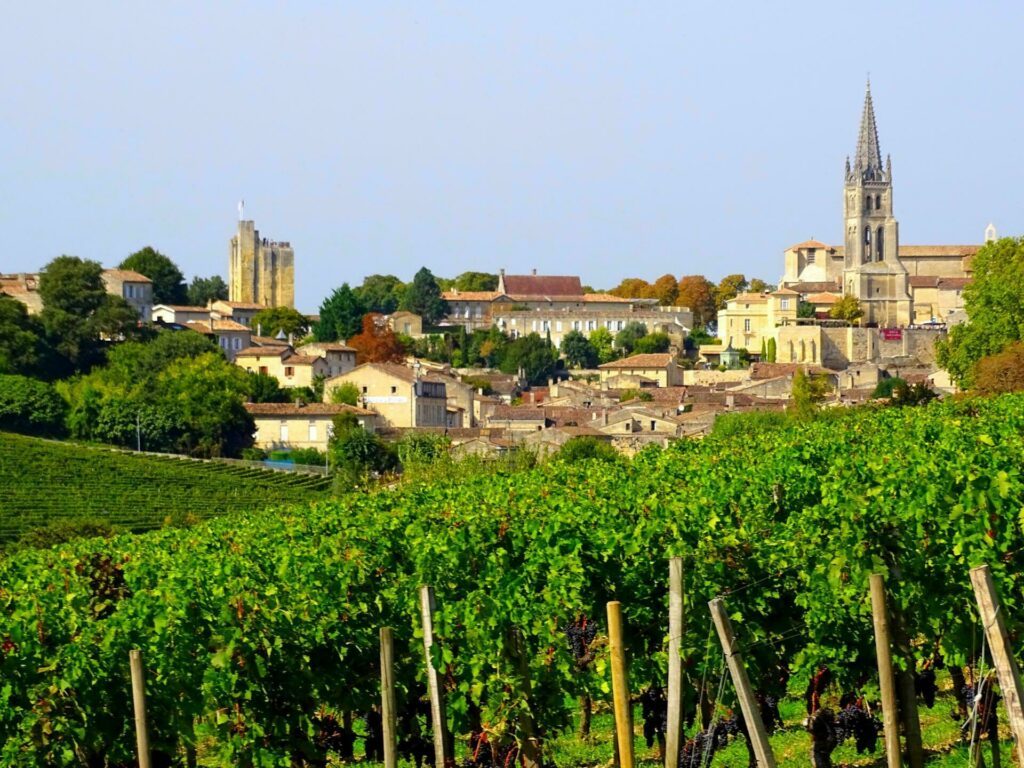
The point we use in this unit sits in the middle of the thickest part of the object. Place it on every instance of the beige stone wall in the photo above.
(289, 373)
(293, 431)
(935, 266)
(258, 272)
(398, 400)
(712, 377)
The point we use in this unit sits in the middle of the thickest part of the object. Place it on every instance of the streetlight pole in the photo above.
(138, 433)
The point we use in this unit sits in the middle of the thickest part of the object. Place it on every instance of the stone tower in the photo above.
(872, 271)
(260, 271)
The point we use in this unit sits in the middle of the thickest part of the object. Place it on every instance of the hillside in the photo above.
(45, 482)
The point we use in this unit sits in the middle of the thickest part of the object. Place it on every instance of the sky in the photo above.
(604, 139)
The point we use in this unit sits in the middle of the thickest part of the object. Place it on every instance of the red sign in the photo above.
(892, 334)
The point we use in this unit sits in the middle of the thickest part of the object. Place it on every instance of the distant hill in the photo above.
(43, 482)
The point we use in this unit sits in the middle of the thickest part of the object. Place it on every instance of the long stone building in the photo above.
(260, 271)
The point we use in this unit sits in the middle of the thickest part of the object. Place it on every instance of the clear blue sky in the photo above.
(603, 139)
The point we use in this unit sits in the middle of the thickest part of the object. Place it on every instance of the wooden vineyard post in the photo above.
(620, 686)
(530, 742)
(388, 714)
(886, 680)
(139, 702)
(437, 713)
(998, 642)
(748, 704)
(674, 726)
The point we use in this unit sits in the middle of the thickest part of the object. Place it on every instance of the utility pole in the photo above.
(138, 432)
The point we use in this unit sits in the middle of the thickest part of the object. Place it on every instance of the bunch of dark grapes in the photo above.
(106, 582)
(654, 706)
(769, 706)
(374, 736)
(925, 686)
(988, 717)
(580, 634)
(331, 736)
(854, 721)
(701, 748)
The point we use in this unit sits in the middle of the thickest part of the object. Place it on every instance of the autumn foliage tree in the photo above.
(697, 293)
(665, 290)
(377, 343)
(1002, 372)
(633, 288)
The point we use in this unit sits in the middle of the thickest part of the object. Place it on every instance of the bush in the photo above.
(580, 448)
(885, 387)
(63, 531)
(753, 422)
(254, 454)
(309, 456)
(635, 394)
(31, 407)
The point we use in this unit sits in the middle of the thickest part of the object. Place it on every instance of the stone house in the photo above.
(340, 358)
(660, 368)
(750, 319)
(301, 425)
(397, 393)
(240, 311)
(180, 314)
(230, 336)
(282, 363)
(133, 287)
(405, 324)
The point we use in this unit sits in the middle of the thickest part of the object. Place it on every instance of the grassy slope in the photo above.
(43, 482)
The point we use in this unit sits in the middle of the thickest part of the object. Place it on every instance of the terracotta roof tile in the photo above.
(808, 244)
(203, 326)
(128, 275)
(310, 409)
(653, 360)
(543, 285)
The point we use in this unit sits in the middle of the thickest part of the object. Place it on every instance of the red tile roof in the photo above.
(653, 360)
(808, 244)
(543, 285)
(127, 275)
(306, 409)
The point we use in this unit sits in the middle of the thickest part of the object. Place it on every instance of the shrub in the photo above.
(580, 448)
(31, 406)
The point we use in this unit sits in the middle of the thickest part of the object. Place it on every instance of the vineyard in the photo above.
(45, 482)
(259, 632)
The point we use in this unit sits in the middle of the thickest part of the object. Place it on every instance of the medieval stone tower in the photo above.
(260, 271)
(872, 271)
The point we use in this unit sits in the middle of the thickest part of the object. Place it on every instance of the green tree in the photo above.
(31, 407)
(847, 308)
(272, 320)
(357, 453)
(263, 388)
(381, 293)
(652, 342)
(805, 310)
(578, 351)
(757, 285)
(341, 315)
(203, 290)
(346, 394)
(809, 390)
(78, 311)
(22, 348)
(423, 296)
(532, 354)
(994, 301)
(627, 338)
(476, 281)
(772, 352)
(168, 282)
(602, 340)
(729, 287)
(585, 448)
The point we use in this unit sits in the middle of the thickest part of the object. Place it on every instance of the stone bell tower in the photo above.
(872, 270)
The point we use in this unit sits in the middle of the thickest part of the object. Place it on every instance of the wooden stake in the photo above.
(886, 680)
(748, 704)
(139, 702)
(674, 727)
(620, 686)
(530, 742)
(994, 622)
(437, 714)
(388, 708)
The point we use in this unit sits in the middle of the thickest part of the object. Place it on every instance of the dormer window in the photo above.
(811, 255)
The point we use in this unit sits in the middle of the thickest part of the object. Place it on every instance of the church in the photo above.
(897, 285)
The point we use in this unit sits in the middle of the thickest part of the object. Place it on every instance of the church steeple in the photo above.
(867, 164)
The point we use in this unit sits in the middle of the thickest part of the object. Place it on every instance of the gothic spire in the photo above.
(868, 161)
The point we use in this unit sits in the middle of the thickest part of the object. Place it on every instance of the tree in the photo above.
(272, 320)
(652, 343)
(627, 338)
(423, 296)
(341, 315)
(346, 394)
(847, 308)
(77, 311)
(168, 282)
(698, 293)
(729, 288)
(757, 285)
(772, 352)
(1001, 372)
(476, 281)
(808, 391)
(665, 290)
(805, 309)
(601, 339)
(204, 290)
(264, 388)
(994, 301)
(377, 343)
(31, 407)
(586, 447)
(22, 348)
(578, 351)
(633, 288)
(358, 453)
(532, 354)
(381, 293)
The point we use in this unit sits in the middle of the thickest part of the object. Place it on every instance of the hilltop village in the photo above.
(498, 361)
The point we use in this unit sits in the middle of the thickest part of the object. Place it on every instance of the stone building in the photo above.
(260, 271)
(133, 287)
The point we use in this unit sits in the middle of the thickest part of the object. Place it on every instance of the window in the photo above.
(236, 343)
(620, 325)
(591, 325)
(575, 325)
(811, 255)
(879, 241)
(394, 390)
(289, 371)
(545, 325)
(364, 390)
(284, 431)
(746, 325)
(878, 202)
(224, 342)
(558, 326)
(312, 432)
(652, 425)
(263, 370)
(785, 303)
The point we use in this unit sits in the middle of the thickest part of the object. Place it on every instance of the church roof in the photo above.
(808, 244)
(868, 160)
(542, 285)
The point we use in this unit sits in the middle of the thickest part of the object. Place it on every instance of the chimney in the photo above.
(533, 271)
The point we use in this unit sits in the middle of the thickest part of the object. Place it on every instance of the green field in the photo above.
(44, 482)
